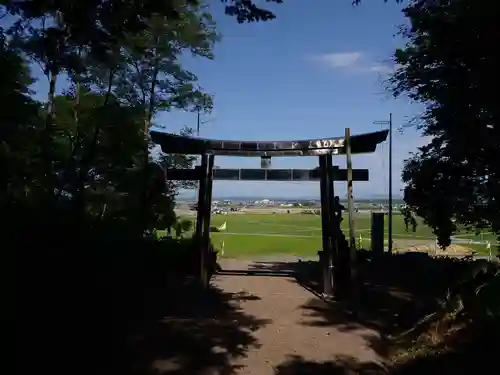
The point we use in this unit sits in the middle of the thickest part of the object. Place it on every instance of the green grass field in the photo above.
(248, 235)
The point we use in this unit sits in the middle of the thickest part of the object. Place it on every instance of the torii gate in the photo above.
(326, 173)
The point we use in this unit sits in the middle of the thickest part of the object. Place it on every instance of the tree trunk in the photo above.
(84, 169)
(143, 209)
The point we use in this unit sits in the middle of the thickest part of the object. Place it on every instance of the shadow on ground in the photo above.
(393, 294)
(203, 333)
(465, 359)
(297, 365)
(124, 313)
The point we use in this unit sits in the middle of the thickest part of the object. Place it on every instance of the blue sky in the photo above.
(309, 73)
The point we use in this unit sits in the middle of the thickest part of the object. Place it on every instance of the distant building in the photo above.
(263, 202)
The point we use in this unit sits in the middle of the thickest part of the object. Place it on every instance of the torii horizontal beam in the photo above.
(177, 144)
(266, 174)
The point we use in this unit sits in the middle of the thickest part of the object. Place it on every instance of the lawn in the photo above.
(248, 235)
(300, 235)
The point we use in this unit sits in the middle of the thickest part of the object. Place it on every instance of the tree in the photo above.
(89, 168)
(100, 23)
(153, 78)
(20, 129)
(448, 65)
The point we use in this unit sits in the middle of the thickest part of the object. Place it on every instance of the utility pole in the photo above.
(198, 123)
(389, 123)
(390, 183)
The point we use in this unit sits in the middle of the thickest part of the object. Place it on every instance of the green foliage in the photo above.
(247, 11)
(153, 75)
(84, 158)
(20, 127)
(465, 320)
(447, 66)
(475, 298)
(79, 186)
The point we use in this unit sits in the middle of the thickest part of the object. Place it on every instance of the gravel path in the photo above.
(291, 330)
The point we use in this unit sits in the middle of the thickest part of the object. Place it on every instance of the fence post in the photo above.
(377, 234)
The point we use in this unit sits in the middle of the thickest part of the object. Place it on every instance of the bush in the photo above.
(468, 312)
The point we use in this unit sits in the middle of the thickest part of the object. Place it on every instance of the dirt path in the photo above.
(294, 330)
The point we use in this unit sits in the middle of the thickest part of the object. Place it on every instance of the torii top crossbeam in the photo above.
(177, 144)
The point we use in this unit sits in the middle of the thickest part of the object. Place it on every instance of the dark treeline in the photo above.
(80, 187)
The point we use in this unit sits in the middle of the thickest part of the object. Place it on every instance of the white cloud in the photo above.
(340, 60)
(381, 68)
(356, 62)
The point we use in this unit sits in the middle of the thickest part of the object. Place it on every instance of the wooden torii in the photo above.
(326, 173)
